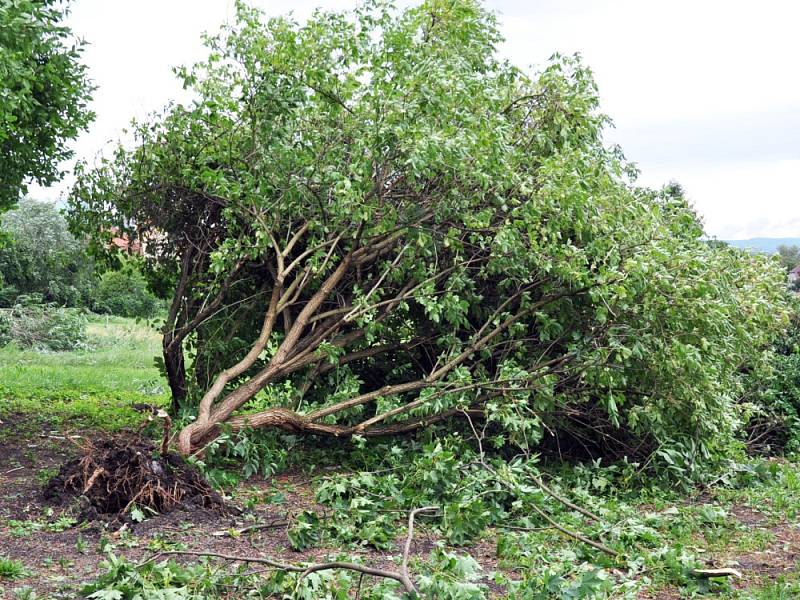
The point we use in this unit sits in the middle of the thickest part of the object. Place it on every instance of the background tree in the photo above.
(789, 256)
(124, 293)
(41, 257)
(368, 224)
(44, 94)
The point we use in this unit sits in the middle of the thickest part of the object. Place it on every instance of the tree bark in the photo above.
(175, 367)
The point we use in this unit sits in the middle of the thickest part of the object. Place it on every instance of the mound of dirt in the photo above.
(117, 473)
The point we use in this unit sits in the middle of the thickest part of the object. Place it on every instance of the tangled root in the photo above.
(117, 473)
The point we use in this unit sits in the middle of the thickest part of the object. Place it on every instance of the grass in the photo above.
(779, 502)
(92, 387)
(11, 569)
(784, 587)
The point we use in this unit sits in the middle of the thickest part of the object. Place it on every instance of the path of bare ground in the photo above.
(59, 556)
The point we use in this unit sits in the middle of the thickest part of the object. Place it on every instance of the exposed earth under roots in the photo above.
(117, 473)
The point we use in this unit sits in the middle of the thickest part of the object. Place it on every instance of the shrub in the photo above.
(124, 293)
(399, 249)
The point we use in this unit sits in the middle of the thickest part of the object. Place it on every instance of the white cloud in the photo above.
(763, 196)
(658, 60)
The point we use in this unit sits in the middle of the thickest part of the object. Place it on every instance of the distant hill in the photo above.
(768, 245)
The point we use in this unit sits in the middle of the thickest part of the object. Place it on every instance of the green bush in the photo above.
(124, 293)
(30, 324)
(448, 239)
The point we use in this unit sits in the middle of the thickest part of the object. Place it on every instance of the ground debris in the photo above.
(116, 473)
(727, 572)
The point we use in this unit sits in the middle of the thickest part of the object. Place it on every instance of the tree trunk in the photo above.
(176, 373)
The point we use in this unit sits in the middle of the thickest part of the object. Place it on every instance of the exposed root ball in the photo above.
(116, 473)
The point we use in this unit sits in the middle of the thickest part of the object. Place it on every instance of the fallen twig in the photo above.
(564, 501)
(410, 536)
(402, 576)
(248, 559)
(520, 528)
(358, 589)
(574, 534)
(403, 580)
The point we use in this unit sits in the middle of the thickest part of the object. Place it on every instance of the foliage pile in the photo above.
(650, 530)
(449, 577)
(369, 223)
(32, 324)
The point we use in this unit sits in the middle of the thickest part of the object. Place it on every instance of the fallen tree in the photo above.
(369, 223)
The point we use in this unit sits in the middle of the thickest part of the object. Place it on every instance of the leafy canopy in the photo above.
(44, 94)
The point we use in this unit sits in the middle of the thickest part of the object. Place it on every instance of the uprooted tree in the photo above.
(369, 223)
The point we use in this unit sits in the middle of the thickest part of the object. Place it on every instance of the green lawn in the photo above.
(90, 387)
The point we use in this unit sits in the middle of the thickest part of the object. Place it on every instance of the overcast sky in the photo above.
(705, 93)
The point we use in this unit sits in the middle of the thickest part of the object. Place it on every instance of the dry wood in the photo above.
(250, 529)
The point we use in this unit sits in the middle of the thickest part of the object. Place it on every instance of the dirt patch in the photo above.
(779, 557)
(747, 516)
(116, 473)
